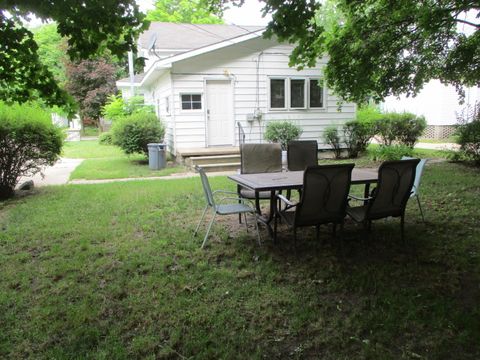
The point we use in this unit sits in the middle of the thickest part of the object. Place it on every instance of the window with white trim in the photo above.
(167, 105)
(297, 94)
(277, 94)
(301, 93)
(191, 101)
(316, 94)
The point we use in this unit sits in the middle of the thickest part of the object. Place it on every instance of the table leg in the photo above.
(266, 219)
(366, 193)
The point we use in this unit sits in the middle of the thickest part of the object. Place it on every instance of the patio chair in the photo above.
(255, 159)
(416, 182)
(322, 201)
(389, 198)
(221, 208)
(301, 153)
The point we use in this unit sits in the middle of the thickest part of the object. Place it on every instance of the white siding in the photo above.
(239, 63)
(437, 102)
(157, 95)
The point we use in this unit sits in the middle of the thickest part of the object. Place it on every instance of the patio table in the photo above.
(291, 180)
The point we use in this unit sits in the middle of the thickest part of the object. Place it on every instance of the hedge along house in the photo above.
(203, 79)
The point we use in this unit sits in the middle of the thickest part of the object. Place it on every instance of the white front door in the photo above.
(220, 130)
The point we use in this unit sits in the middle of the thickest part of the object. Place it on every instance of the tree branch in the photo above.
(468, 23)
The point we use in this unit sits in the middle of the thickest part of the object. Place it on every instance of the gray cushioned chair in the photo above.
(323, 199)
(240, 206)
(302, 153)
(389, 198)
(255, 159)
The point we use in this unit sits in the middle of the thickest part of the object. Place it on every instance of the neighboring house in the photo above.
(203, 79)
(438, 103)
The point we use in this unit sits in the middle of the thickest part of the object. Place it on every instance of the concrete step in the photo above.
(216, 159)
(221, 167)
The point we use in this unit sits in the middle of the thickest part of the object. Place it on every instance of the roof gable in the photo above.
(185, 37)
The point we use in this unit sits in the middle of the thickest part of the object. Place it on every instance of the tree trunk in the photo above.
(6, 192)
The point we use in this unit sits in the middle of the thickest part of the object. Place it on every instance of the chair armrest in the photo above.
(224, 192)
(286, 201)
(238, 199)
(359, 198)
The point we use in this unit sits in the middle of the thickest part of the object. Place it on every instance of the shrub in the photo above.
(468, 133)
(282, 132)
(332, 138)
(357, 135)
(392, 152)
(469, 140)
(28, 142)
(117, 108)
(410, 127)
(134, 132)
(404, 128)
(105, 138)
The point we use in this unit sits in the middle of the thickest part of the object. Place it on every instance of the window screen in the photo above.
(316, 94)
(277, 93)
(191, 102)
(297, 93)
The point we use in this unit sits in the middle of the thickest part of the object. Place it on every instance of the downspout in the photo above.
(172, 114)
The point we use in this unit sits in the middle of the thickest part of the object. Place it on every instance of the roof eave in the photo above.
(167, 62)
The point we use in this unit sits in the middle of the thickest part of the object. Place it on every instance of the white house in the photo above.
(203, 79)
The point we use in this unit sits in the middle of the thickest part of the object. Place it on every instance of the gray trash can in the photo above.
(156, 156)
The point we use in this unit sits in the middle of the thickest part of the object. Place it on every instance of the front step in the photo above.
(221, 167)
(215, 159)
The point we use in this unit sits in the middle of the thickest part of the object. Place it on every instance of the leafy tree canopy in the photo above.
(51, 50)
(378, 48)
(185, 11)
(88, 27)
(90, 82)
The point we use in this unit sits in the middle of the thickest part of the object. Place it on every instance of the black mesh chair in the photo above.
(322, 201)
(255, 159)
(390, 197)
(301, 153)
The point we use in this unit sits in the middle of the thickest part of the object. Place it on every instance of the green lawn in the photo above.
(109, 271)
(109, 162)
(90, 149)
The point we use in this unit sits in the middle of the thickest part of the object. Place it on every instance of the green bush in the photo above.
(134, 132)
(105, 138)
(117, 108)
(468, 133)
(332, 138)
(392, 152)
(469, 140)
(403, 128)
(282, 132)
(357, 133)
(28, 142)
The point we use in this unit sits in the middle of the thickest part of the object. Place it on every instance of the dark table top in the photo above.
(294, 179)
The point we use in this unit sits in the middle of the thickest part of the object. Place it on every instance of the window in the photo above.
(316, 94)
(277, 93)
(291, 93)
(297, 93)
(191, 101)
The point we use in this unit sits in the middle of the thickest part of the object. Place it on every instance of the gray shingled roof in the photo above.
(191, 36)
(137, 78)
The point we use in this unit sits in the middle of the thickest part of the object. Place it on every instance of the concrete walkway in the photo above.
(59, 173)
